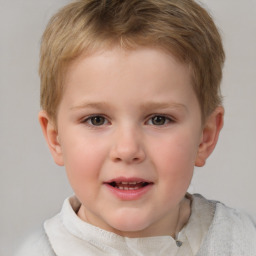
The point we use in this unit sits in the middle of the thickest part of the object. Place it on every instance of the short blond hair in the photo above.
(180, 27)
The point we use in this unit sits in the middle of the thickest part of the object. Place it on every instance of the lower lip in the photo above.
(129, 195)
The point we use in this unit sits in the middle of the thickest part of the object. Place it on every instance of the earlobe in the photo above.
(210, 135)
(51, 136)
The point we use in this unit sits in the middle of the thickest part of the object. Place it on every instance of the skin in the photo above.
(147, 127)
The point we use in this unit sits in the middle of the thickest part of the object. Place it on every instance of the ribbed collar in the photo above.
(80, 235)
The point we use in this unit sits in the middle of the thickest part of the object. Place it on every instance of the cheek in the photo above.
(83, 159)
(175, 155)
(81, 149)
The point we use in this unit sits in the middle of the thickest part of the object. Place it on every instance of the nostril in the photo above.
(123, 152)
(117, 159)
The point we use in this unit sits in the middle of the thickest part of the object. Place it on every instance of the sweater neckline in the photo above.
(106, 240)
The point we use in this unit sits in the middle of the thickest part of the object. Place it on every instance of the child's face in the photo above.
(129, 126)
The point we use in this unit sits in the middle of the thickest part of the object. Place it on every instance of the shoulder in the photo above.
(236, 222)
(231, 232)
(36, 244)
(224, 215)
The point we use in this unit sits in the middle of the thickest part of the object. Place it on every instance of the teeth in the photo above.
(127, 188)
(129, 183)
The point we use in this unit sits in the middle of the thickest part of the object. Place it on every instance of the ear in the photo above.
(51, 136)
(210, 135)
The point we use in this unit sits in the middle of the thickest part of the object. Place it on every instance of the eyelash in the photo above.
(166, 119)
(89, 119)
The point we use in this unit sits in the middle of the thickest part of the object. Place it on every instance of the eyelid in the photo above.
(86, 120)
(168, 117)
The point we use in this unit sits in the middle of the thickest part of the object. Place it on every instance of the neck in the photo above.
(179, 221)
(184, 214)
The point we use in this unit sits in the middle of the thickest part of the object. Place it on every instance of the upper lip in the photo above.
(126, 180)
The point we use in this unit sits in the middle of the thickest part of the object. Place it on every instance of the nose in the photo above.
(127, 147)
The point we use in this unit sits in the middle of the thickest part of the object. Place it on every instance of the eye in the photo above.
(96, 120)
(159, 120)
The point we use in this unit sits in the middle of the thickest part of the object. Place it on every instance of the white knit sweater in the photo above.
(213, 230)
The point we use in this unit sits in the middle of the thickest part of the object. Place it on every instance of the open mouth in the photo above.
(126, 185)
(129, 189)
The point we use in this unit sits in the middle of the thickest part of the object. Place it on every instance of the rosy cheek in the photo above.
(175, 154)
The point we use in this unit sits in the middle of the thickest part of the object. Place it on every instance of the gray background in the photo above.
(32, 187)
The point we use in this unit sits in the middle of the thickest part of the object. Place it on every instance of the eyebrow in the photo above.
(145, 106)
(163, 105)
(98, 105)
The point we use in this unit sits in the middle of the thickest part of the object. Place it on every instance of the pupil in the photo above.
(158, 120)
(97, 120)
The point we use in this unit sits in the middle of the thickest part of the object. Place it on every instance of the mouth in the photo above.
(129, 185)
(129, 189)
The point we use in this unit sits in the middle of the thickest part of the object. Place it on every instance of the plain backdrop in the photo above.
(32, 187)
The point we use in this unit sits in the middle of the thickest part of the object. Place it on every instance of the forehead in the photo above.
(146, 67)
(150, 60)
(138, 75)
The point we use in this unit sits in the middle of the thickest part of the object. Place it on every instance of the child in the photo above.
(130, 104)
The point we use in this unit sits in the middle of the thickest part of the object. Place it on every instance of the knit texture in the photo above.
(213, 230)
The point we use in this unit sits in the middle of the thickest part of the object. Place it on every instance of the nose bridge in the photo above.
(128, 145)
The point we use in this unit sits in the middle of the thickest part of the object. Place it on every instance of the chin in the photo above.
(130, 226)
